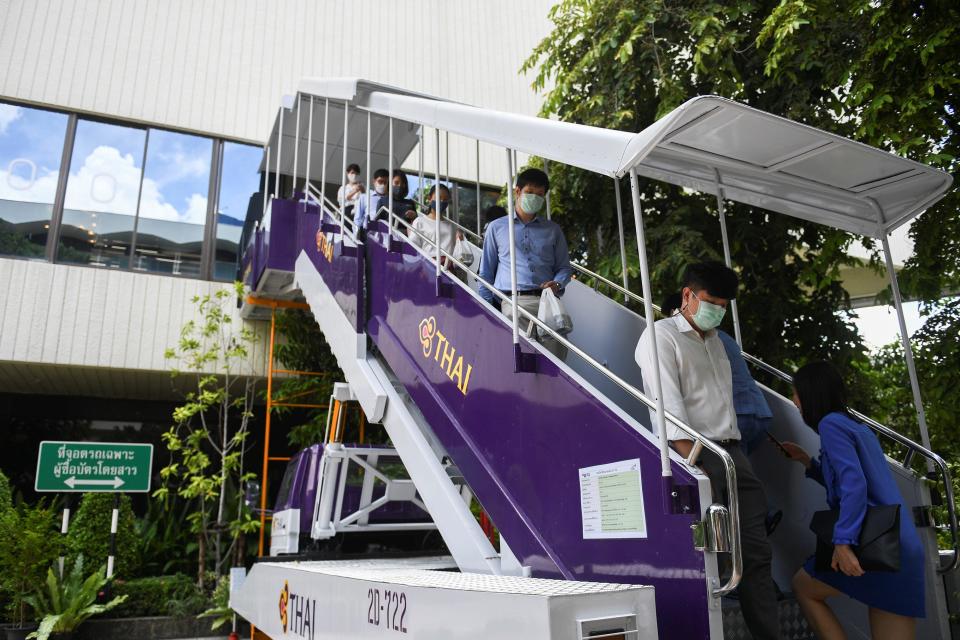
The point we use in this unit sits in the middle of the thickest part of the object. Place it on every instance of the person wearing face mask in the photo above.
(402, 205)
(423, 233)
(349, 193)
(697, 387)
(372, 201)
(543, 261)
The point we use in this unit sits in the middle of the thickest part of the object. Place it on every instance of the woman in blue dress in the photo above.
(856, 475)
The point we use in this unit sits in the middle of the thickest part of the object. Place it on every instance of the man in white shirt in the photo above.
(697, 388)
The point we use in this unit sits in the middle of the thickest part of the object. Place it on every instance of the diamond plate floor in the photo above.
(793, 626)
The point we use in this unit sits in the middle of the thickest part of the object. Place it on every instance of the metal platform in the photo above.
(416, 598)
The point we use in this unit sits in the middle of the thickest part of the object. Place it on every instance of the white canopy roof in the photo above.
(758, 158)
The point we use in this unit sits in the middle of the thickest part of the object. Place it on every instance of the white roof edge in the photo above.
(677, 149)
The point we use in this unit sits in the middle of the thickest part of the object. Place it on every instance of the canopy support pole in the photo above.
(323, 159)
(511, 238)
(478, 187)
(276, 177)
(907, 349)
(390, 176)
(306, 177)
(546, 170)
(296, 146)
(665, 470)
(363, 223)
(343, 175)
(423, 141)
(436, 221)
(726, 255)
(623, 247)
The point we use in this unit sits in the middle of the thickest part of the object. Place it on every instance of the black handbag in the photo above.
(879, 547)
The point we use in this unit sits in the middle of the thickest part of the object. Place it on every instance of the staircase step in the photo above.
(793, 626)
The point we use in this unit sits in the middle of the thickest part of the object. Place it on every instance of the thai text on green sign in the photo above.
(87, 467)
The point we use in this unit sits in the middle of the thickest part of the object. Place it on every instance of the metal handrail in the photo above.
(912, 447)
(700, 441)
(326, 203)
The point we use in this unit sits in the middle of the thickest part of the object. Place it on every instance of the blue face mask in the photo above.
(443, 205)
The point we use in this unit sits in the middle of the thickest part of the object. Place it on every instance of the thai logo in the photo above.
(438, 348)
(324, 246)
(298, 614)
(284, 601)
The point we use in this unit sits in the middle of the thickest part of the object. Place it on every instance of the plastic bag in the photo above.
(553, 314)
(462, 252)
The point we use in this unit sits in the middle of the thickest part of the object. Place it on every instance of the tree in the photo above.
(207, 441)
(624, 63)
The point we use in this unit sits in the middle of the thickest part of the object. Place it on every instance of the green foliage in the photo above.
(165, 545)
(89, 532)
(6, 495)
(302, 347)
(69, 600)
(207, 442)
(31, 542)
(172, 595)
(220, 605)
(624, 63)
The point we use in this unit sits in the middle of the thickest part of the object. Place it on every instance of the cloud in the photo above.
(8, 113)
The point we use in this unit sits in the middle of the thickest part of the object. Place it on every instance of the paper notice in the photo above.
(611, 501)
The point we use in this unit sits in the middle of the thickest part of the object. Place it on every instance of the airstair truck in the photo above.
(567, 455)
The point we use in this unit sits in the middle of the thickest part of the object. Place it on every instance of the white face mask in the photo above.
(351, 178)
(381, 188)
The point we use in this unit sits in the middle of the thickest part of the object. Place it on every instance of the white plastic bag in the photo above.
(553, 314)
(461, 252)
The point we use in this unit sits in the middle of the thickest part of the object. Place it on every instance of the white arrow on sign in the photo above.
(72, 482)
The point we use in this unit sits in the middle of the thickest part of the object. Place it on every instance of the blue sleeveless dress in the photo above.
(856, 475)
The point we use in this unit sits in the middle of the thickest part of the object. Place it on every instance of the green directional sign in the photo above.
(88, 467)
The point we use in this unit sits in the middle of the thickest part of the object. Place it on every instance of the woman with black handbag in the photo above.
(867, 545)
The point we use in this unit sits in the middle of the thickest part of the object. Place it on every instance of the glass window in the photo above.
(239, 180)
(102, 192)
(173, 204)
(31, 144)
(467, 204)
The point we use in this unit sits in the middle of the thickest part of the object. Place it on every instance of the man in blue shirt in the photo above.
(543, 260)
(378, 198)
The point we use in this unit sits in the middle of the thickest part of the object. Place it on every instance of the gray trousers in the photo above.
(758, 596)
(531, 304)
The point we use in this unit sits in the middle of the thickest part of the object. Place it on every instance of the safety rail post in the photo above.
(323, 153)
(478, 187)
(546, 170)
(276, 177)
(726, 255)
(389, 168)
(623, 248)
(366, 215)
(266, 183)
(665, 470)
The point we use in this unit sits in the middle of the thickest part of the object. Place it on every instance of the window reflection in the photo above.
(173, 204)
(239, 181)
(467, 204)
(102, 192)
(31, 143)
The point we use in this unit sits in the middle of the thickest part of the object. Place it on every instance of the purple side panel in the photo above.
(281, 239)
(520, 439)
(340, 263)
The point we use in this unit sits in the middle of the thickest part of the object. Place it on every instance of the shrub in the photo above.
(89, 533)
(29, 544)
(175, 595)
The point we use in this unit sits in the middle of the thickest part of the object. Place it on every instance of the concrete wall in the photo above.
(82, 331)
(221, 66)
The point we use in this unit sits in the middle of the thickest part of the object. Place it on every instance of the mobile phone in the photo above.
(778, 444)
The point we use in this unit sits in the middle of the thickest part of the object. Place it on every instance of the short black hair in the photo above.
(714, 277)
(397, 173)
(671, 304)
(821, 390)
(353, 167)
(381, 173)
(493, 212)
(533, 176)
(433, 188)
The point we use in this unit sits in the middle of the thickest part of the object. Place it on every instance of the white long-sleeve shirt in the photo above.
(695, 378)
(427, 226)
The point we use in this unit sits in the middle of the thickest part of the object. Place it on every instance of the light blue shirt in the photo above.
(542, 255)
(360, 217)
(747, 397)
